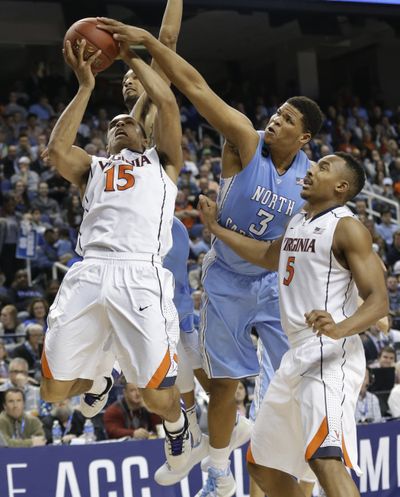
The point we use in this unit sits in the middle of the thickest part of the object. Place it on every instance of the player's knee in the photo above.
(159, 401)
(223, 388)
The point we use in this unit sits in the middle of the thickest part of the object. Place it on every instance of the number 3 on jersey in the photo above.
(125, 179)
(289, 270)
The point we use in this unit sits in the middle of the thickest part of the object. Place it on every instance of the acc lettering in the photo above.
(299, 244)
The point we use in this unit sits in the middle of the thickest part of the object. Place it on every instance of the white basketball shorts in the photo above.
(121, 303)
(308, 409)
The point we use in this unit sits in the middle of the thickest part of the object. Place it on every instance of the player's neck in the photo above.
(282, 159)
(315, 210)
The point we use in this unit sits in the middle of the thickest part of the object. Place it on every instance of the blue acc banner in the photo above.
(126, 469)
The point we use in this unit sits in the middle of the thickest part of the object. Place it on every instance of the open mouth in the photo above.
(307, 181)
(271, 130)
(120, 133)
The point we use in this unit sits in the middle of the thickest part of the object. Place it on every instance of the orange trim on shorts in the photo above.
(249, 455)
(317, 440)
(346, 455)
(176, 358)
(45, 366)
(161, 372)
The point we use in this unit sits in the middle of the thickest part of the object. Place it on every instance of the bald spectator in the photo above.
(10, 325)
(18, 428)
(128, 417)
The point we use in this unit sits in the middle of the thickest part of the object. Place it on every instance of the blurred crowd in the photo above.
(33, 196)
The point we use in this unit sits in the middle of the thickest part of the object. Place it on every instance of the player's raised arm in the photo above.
(261, 253)
(234, 125)
(352, 242)
(73, 162)
(168, 124)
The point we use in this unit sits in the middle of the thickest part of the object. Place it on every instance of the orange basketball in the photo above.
(96, 39)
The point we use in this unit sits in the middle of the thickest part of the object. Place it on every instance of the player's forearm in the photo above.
(171, 24)
(155, 87)
(254, 251)
(64, 132)
(374, 308)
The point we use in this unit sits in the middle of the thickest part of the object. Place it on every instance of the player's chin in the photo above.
(305, 193)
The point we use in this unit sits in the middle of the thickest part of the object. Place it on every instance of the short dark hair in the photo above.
(13, 390)
(357, 172)
(388, 349)
(312, 114)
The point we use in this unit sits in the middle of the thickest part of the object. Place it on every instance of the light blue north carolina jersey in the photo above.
(258, 202)
(176, 262)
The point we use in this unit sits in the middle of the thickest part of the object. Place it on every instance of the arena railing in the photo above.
(58, 267)
(371, 197)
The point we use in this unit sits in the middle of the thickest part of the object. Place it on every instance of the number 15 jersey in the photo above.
(128, 205)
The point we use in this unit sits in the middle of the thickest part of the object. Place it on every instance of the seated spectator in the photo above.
(128, 417)
(367, 408)
(10, 325)
(21, 292)
(38, 309)
(373, 341)
(29, 178)
(184, 211)
(65, 251)
(386, 358)
(242, 399)
(196, 297)
(37, 223)
(4, 363)
(393, 252)
(386, 228)
(18, 428)
(9, 226)
(46, 254)
(195, 273)
(22, 203)
(19, 378)
(31, 349)
(74, 212)
(42, 108)
(394, 300)
(51, 291)
(71, 421)
(394, 401)
(47, 206)
(201, 244)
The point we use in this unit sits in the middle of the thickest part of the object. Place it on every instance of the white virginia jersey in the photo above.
(129, 205)
(310, 277)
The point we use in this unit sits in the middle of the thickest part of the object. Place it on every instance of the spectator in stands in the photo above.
(394, 299)
(361, 208)
(24, 148)
(128, 417)
(386, 228)
(196, 272)
(37, 223)
(51, 291)
(74, 212)
(13, 105)
(196, 297)
(42, 108)
(184, 211)
(10, 324)
(386, 358)
(31, 349)
(18, 428)
(242, 399)
(367, 409)
(4, 362)
(10, 162)
(38, 309)
(373, 341)
(47, 206)
(21, 292)
(63, 245)
(46, 253)
(393, 253)
(22, 202)
(19, 378)
(71, 421)
(9, 226)
(26, 175)
(202, 243)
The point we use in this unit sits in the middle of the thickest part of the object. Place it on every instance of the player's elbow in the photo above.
(55, 155)
(168, 36)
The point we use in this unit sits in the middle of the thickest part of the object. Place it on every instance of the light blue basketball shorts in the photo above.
(232, 305)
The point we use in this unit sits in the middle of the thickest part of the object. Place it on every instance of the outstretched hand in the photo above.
(125, 34)
(323, 324)
(209, 210)
(81, 67)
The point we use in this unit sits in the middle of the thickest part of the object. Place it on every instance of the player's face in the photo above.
(124, 132)
(132, 88)
(323, 179)
(285, 127)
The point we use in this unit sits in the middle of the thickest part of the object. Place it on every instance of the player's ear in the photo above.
(305, 138)
(343, 187)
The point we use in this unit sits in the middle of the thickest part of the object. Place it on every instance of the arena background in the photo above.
(333, 51)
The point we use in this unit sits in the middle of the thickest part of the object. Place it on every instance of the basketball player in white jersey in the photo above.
(306, 423)
(119, 297)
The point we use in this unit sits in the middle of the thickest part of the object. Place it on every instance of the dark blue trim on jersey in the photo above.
(168, 381)
(325, 452)
(320, 214)
(162, 209)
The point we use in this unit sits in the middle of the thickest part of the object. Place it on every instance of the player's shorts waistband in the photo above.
(122, 256)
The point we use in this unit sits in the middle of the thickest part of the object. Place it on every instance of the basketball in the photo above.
(96, 39)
